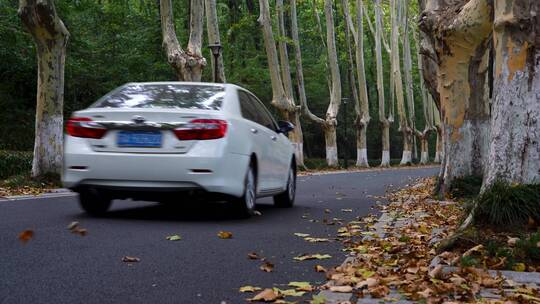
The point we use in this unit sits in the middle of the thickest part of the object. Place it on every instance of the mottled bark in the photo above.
(362, 103)
(188, 64)
(282, 99)
(212, 26)
(384, 121)
(40, 19)
(514, 153)
(461, 34)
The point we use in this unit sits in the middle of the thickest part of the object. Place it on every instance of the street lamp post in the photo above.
(345, 151)
(216, 50)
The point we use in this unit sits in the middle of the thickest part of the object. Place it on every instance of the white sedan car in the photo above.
(144, 140)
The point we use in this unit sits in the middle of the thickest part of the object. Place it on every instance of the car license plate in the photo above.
(139, 139)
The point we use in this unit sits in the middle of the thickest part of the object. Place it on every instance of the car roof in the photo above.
(224, 85)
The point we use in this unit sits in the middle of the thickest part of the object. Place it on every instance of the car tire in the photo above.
(245, 205)
(93, 202)
(286, 199)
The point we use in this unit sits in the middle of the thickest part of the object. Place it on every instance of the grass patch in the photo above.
(508, 206)
(466, 187)
(14, 163)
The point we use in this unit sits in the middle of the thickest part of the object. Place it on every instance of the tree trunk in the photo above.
(362, 105)
(514, 152)
(385, 122)
(281, 99)
(335, 93)
(188, 65)
(51, 37)
(212, 26)
(462, 34)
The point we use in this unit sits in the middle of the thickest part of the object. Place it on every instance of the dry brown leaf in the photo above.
(436, 272)
(380, 291)
(267, 295)
(370, 282)
(26, 235)
(130, 259)
(344, 289)
(253, 256)
(224, 235)
(476, 248)
(426, 293)
(267, 267)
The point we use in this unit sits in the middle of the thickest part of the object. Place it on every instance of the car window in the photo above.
(265, 117)
(249, 111)
(204, 97)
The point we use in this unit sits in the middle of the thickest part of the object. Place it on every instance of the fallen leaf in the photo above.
(249, 288)
(327, 210)
(174, 237)
(289, 292)
(130, 259)
(346, 210)
(319, 299)
(370, 282)
(257, 212)
(512, 241)
(316, 240)
(267, 267)
(477, 248)
(436, 272)
(302, 235)
(224, 235)
(303, 286)
(380, 291)
(253, 256)
(312, 257)
(26, 235)
(79, 231)
(519, 267)
(72, 225)
(426, 293)
(344, 289)
(319, 268)
(267, 295)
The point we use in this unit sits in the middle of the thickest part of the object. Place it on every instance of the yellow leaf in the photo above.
(249, 288)
(224, 235)
(303, 286)
(267, 295)
(519, 267)
(312, 257)
(344, 289)
(290, 292)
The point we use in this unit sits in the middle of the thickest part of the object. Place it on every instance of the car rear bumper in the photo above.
(155, 172)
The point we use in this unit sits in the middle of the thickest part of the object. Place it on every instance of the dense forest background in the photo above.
(119, 41)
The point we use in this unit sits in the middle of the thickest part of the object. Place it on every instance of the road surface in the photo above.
(57, 266)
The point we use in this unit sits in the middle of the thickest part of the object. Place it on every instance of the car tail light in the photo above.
(84, 127)
(201, 129)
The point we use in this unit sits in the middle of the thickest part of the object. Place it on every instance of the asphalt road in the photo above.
(57, 266)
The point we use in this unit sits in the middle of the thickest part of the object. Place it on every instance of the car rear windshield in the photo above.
(204, 97)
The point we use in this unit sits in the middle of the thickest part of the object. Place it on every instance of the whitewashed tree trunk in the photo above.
(335, 93)
(296, 136)
(514, 153)
(282, 99)
(212, 26)
(461, 43)
(50, 36)
(404, 126)
(362, 106)
(384, 121)
(188, 65)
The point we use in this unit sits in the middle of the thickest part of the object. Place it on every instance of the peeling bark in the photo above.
(282, 97)
(50, 36)
(384, 121)
(514, 152)
(212, 26)
(461, 31)
(189, 64)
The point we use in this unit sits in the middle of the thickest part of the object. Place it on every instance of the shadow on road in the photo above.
(193, 210)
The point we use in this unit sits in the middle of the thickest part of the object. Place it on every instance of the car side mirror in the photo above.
(285, 127)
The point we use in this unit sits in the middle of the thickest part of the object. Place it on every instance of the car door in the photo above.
(277, 151)
(259, 137)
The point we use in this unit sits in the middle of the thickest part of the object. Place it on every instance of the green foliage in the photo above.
(468, 261)
(466, 187)
(508, 206)
(529, 247)
(14, 162)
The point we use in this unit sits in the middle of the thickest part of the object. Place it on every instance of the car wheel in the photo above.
(93, 202)
(286, 199)
(245, 205)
